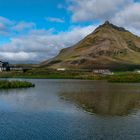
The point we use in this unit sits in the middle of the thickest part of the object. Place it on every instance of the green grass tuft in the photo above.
(5, 84)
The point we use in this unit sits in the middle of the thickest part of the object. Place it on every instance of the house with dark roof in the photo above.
(4, 66)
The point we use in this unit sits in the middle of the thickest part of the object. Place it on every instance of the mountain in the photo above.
(109, 46)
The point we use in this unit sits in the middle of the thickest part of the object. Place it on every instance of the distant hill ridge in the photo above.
(109, 46)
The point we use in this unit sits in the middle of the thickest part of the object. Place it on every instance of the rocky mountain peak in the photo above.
(110, 25)
(107, 22)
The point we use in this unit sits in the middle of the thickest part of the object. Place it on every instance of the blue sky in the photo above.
(34, 11)
(35, 30)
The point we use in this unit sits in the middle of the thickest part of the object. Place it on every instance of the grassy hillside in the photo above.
(108, 46)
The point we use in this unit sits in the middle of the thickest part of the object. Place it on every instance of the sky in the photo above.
(32, 31)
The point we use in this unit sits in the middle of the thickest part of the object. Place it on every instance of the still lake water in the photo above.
(41, 114)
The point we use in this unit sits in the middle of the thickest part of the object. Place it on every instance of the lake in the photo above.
(71, 110)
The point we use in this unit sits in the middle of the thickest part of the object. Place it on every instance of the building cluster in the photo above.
(5, 66)
(102, 71)
(94, 71)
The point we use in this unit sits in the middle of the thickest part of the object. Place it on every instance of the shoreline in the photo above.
(117, 77)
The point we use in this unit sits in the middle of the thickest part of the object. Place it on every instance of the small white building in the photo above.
(1, 69)
(61, 69)
(14, 68)
(102, 71)
(137, 71)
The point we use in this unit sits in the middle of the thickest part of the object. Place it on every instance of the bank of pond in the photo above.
(125, 78)
(128, 77)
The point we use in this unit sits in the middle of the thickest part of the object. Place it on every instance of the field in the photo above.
(72, 74)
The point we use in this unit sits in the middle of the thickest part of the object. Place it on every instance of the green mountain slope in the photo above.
(108, 46)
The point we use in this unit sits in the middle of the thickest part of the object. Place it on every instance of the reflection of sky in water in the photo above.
(41, 98)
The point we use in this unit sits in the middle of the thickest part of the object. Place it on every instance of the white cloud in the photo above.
(88, 10)
(40, 45)
(10, 27)
(129, 16)
(18, 56)
(61, 6)
(6, 21)
(21, 26)
(5, 25)
(54, 19)
(125, 13)
(3, 29)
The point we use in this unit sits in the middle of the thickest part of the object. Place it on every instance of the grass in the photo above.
(125, 78)
(122, 77)
(5, 84)
(50, 74)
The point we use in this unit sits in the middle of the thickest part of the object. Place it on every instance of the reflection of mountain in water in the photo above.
(113, 101)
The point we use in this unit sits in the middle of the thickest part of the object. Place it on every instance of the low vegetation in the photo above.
(125, 78)
(41, 73)
(5, 84)
(51, 74)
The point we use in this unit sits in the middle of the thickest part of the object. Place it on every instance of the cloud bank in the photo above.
(87, 10)
(11, 28)
(121, 12)
(40, 45)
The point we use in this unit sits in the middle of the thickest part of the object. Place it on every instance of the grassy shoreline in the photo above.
(123, 77)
